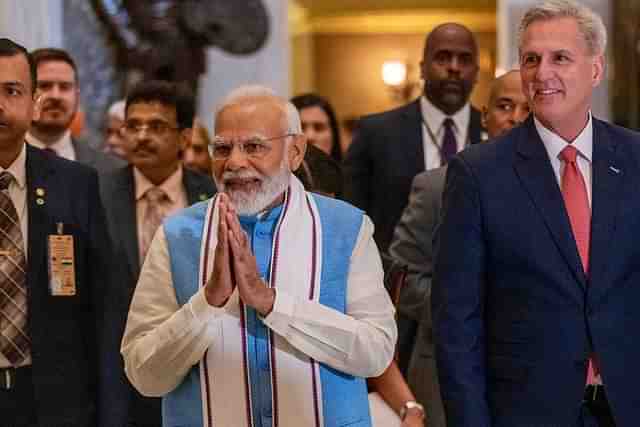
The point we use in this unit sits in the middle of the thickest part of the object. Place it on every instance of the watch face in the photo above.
(411, 406)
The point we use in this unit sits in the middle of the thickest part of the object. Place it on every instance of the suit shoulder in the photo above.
(200, 179)
(383, 118)
(112, 178)
(620, 133)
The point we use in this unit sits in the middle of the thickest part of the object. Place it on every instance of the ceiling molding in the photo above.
(388, 22)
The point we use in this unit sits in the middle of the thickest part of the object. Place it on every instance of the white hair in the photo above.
(248, 93)
(117, 109)
(589, 23)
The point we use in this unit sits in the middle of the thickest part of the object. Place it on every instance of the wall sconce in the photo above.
(395, 75)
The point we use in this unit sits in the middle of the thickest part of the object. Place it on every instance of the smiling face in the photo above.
(559, 74)
(16, 103)
(254, 183)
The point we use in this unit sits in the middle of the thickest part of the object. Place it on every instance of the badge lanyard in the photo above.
(434, 141)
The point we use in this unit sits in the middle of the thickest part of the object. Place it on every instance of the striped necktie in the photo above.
(14, 340)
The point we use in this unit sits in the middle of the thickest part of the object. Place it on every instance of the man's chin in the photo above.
(51, 127)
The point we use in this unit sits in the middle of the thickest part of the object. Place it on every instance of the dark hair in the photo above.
(11, 48)
(54, 54)
(312, 100)
(166, 93)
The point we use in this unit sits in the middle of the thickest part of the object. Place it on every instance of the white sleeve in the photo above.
(360, 342)
(162, 341)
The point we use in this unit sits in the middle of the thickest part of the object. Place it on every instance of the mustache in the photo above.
(50, 104)
(241, 174)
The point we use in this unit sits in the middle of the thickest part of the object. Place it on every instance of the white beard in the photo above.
(253, 202)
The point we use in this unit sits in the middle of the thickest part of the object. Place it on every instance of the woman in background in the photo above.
(319, 124)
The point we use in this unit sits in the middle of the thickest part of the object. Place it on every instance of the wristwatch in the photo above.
(411, 404)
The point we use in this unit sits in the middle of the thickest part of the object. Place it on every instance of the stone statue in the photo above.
(166, 39)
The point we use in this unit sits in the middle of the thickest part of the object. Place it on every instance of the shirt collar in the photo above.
(61, 145)
(435, 117)
(264, 216)
(554, 143)
(170, 186)
(18, 168)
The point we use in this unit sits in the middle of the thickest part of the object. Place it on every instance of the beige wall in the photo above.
(302, 64)
(347, 68)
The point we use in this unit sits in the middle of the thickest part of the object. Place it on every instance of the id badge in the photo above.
(62, 269)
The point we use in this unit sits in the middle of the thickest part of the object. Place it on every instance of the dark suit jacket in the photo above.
(118, 193)
(96, 159)
(74, 352)
(411, 246)
(386, 153)
(319, 172)
(515, 317)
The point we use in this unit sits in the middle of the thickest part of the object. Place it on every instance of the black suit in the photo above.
(96, 159)
(386, 154)
(118, 192)
(72, 353)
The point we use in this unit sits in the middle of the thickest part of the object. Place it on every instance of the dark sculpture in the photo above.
(166, 39)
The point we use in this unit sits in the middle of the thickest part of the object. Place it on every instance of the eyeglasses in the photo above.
(255, 148)
(154, 128)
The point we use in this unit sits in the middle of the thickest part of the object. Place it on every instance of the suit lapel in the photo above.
(475, 126)
(409, 138)
(83, 154)
(39, 176)
(608, 168)
(124, 211)
(533, 167)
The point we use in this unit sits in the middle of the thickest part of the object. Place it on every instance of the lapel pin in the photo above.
(614, 170)
(39, 201)
(40, 192)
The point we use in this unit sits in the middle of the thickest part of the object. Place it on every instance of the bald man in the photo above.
(411, 246)
(390, 148)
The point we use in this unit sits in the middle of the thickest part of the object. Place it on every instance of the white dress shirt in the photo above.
(554, 144)
(162, 340)
(434, 118)
(63, 147)
(18, 195)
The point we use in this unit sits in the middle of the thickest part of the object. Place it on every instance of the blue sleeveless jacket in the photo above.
(344, 397)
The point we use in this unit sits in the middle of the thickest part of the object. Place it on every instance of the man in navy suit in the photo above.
(535, 290)
(390, 148)
(56, 346)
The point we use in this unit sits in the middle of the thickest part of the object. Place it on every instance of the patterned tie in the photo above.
(14, 340)
(153, 216)
(576, 200)
(449, 144)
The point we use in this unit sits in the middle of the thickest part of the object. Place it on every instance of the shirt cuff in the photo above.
(201, 309)
(279, 318)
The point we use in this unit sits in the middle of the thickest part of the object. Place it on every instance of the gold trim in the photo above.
(390, 22)
(299, 21)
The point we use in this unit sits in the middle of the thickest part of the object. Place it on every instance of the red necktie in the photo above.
(576, 201)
